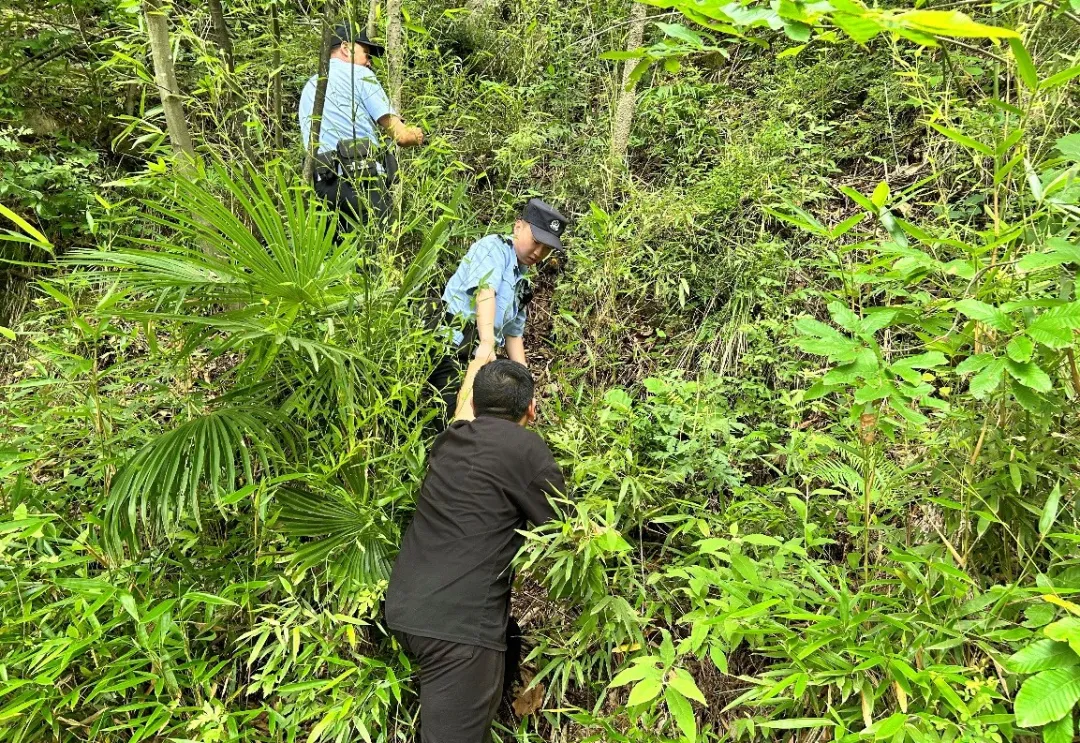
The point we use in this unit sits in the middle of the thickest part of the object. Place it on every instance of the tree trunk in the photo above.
(221, 33)
(394, 51)
(624, 108)
(275, 85)
(312, 145)
(372, 17)
(165, 78)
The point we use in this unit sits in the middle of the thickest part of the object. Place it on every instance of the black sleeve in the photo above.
(534, 501)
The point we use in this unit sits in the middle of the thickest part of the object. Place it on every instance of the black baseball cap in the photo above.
(546, 222)
(343, 32)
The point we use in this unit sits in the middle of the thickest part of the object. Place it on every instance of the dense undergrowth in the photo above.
(809, 367)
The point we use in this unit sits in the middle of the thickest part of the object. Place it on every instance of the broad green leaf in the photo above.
(684, 683)
(964, 140)
(875, 389)
(1028, 399)
(842, 315)
(1030, 375)
(682, 33)
(1024, 65)
(952, 23)
(889, 727)
(1047, 696)
(1063, 317)
(986, 314)
(880, 195)
(716, 654)
(928, 360)
(876, 319)
(634, 673)
(1046, 522)
(7, 333)
(1067, 629)
(1042, 655)
(797, 31)
(974, 363)
(986, 381)
(667, 650)
(1060, 731)
(645, 691)
(1069, 146)
(1020, 348)
(682, 713)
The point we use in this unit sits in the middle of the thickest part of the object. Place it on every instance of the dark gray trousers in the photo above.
(460, 688)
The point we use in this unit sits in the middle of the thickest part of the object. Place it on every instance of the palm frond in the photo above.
(165, 481)
(349, 536)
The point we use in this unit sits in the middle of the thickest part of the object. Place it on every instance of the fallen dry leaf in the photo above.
(527, 701)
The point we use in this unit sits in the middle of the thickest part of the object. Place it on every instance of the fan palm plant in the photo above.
(318, 359)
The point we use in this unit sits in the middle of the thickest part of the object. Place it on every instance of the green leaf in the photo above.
(684, 683)
(1060, 731)
(682, 33)
(38, 239)
(645, 691)
(1060, 78)
(633, 673)
(1067, 629)
(843, 316)
(1030, 375)
(986, 381)
(859, 27)
(1024, 64)
(974, 363)
(1047, 696)
(986, 314)
(1046, 522)
(797, 31)
(1069, 146)
(859, 199)
(208, 598)
(952, 23)
(888, 727)
(716, 653)
(880, 195)
(1042, 655)
(964, 140)
(1028, 400)
(876, 319)
(682, 713)
(1020, 348)
(7, 333)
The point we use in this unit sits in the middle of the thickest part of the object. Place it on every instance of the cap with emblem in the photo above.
(546, 222)
(344, 32)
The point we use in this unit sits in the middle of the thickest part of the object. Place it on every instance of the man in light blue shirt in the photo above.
(486, 299)
(356, 106)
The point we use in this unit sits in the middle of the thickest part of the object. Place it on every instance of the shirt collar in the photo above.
(520, 271)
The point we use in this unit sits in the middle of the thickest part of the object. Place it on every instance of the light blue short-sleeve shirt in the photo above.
(354, 102)
(490, 263)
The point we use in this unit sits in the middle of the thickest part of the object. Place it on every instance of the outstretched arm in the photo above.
(405, 136)
(485, 350)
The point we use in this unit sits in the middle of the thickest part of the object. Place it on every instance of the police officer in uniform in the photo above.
(350, 158)
(486, 301)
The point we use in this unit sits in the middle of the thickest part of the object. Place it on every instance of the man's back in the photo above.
(451, 581)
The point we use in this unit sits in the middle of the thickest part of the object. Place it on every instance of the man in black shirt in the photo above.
(449, 596)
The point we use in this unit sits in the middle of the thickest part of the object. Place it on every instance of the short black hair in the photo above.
(503, 389)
